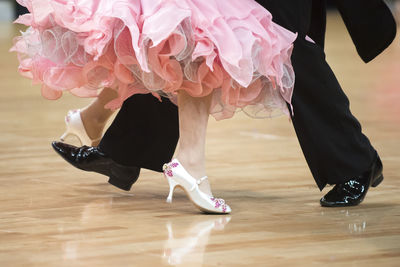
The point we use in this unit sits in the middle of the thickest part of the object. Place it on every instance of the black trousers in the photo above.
(333, 144)
(145, 132)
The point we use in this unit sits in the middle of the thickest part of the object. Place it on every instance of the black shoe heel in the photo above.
(377, 181)
(123, 177)
(124, 185)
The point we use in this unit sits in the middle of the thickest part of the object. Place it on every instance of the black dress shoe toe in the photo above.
(94, 160)
(352, 192)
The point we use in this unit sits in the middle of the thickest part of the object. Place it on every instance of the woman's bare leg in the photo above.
(95, 116)
(193, 120)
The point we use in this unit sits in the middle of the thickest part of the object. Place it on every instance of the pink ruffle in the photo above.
(230, 49)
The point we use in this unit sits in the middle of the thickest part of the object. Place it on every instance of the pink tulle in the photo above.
(230, 49)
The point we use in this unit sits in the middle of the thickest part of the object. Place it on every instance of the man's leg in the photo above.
(144, 133)
(333, 144)
(331, 139)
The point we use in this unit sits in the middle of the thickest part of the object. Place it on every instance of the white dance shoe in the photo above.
(177, 176)
(74, 125)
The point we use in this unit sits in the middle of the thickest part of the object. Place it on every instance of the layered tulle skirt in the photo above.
(229, 49)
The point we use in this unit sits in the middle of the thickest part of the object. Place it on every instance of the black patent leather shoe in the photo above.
(93, 160)
(353, 192)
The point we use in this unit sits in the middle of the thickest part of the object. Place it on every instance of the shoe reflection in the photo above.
(96, 208)
(355, 222)
(187, 246)
(91, 214)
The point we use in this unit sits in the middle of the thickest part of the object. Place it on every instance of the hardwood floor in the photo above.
(52, 214)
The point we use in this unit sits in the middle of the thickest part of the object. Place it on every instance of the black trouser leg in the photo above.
(330, 136)
(144, 133)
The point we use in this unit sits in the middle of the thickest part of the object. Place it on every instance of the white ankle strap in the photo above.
(202, 179)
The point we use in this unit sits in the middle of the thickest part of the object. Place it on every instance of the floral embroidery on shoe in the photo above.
(174, 164)
(70, 113)
(167, 168)
(219, 203)
(224, 208)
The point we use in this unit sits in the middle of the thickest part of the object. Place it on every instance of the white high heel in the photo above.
(178, 176)
(74, 124)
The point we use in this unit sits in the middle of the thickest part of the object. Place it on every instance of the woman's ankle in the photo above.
(195, 167)
(197, 170)
(93, 127)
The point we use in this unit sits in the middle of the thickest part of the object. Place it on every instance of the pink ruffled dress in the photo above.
(230, 49)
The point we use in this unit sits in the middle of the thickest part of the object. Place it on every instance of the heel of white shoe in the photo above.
(172, 185)
(65, 136)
